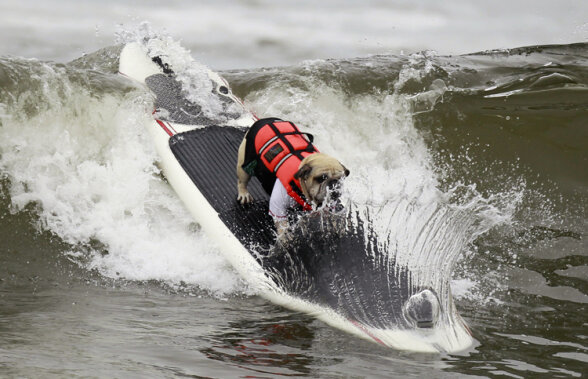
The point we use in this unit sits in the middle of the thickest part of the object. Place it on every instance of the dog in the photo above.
(290, 168)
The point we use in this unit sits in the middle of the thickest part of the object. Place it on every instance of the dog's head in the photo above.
(319, 175)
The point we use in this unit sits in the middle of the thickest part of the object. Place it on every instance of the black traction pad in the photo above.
(209, 157)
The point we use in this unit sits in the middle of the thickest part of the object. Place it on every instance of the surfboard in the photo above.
(332, 267)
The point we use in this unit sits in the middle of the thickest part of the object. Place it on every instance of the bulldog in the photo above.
(290, 168)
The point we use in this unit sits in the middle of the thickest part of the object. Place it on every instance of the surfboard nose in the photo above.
(422, 309)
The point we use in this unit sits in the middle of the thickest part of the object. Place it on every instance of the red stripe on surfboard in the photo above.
(170, 126)
(363, 329)
(169, 132)
(169, 129)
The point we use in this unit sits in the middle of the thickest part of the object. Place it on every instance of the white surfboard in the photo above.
(198, 153)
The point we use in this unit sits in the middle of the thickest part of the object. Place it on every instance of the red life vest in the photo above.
(281, 147)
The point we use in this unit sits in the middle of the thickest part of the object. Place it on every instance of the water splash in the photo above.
(97, 182)
(82, 158)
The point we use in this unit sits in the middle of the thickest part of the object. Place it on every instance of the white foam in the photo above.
(89, 165)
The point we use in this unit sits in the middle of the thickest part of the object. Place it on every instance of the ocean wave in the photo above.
(471, 132)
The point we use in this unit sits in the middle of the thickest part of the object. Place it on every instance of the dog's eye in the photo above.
(322, 178)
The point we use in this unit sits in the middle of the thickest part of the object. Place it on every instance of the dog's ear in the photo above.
(345, 171)
(303, 172)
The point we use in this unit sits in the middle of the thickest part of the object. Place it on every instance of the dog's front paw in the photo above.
(244, 198)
